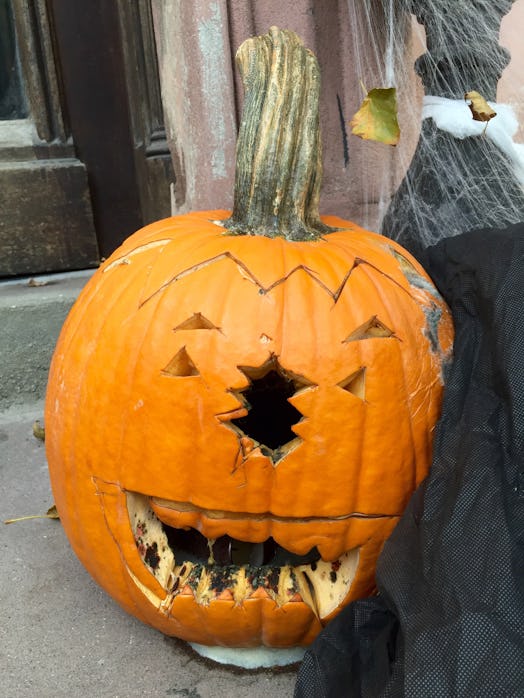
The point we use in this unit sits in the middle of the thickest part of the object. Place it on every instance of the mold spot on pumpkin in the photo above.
(413, 276)
(433, 310)
(151, 556)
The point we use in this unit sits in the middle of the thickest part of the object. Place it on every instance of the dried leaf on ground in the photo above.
(479, 107)
(38, 430)
(51, 513)
(376, 120)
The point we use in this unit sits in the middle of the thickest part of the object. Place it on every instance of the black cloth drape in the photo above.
(449, 617)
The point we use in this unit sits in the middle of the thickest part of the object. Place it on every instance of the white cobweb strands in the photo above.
(454, 116)
(380, 37)
(450, 173)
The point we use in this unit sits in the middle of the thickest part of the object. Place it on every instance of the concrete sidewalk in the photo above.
(32, 312)
(61, 636)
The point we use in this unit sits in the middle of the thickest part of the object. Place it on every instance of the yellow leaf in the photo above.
(479, 107)
(376, 120)
(38, 430)
(51, 513)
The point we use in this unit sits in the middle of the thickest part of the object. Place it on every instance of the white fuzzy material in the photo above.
(455, 117)
(251, 658)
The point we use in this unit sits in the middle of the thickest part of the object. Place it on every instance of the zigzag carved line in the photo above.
(244, 269)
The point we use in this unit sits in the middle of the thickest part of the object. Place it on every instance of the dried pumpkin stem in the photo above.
(278, 165)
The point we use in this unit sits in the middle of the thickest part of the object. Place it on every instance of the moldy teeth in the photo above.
(321, 585)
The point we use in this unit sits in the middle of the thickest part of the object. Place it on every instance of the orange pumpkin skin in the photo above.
(149, 372)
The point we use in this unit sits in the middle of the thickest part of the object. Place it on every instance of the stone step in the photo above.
(32, 312)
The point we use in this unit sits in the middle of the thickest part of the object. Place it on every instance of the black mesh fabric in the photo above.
(448, 621)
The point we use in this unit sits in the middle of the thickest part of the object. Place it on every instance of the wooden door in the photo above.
(83, 156)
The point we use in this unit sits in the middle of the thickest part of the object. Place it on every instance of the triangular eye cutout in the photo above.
(181, 365)
(355, 384)
(370, 329)
(197, 321)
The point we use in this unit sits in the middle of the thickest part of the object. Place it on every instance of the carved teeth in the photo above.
(203, 591)
(287, 586)
(321, 585)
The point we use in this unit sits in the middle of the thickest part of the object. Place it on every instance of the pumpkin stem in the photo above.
(278, 158)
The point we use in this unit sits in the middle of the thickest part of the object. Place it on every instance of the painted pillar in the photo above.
(198, 93)
(202, 94)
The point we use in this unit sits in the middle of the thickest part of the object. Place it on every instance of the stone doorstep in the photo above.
(32, 312)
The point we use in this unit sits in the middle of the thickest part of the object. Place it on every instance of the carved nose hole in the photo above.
(270, 416)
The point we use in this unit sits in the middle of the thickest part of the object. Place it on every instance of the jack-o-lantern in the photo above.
(240, 406)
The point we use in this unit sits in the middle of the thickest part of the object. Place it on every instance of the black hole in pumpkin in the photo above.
(192, 546)
(270, 415)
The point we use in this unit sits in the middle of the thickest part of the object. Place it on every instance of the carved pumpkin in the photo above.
(235, 422)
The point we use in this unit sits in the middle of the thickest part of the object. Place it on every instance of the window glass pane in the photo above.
(12, 98)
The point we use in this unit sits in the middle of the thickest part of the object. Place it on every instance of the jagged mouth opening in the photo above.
(185, 562)
(191, 546)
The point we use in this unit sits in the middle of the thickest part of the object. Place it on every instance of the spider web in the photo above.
(450, 172)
